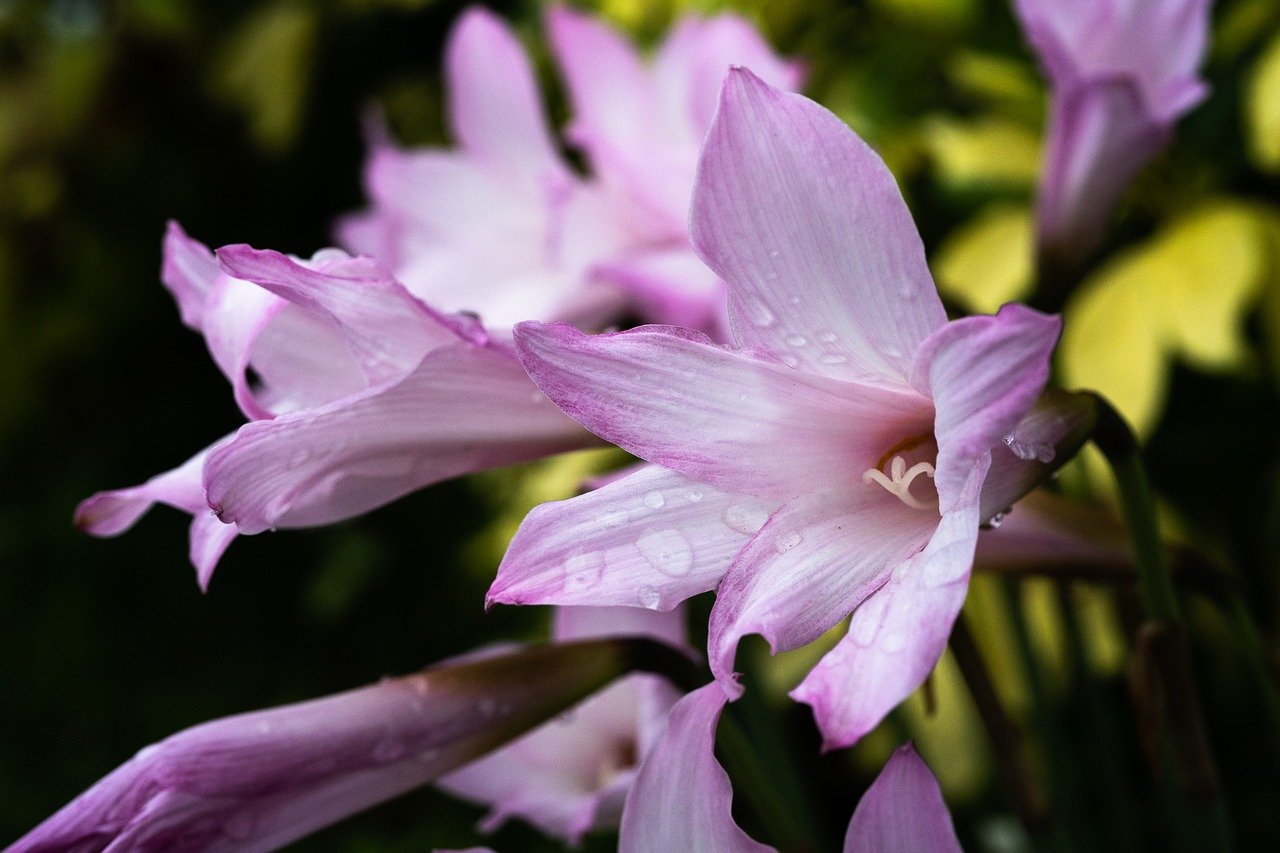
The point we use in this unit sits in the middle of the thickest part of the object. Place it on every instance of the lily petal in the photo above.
(494, 105)
(463, 409)
(652, 538)
(718, 416)
(897, 635)
(816, 559)
(903, 811)
(984, 374)
(791, 203)
(682, 798)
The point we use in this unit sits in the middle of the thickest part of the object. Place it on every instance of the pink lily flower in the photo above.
(1121, 73)
(348, 361)
(641, 123)
(258, 781)
(682, 798)
(837, 458)
(572, 775)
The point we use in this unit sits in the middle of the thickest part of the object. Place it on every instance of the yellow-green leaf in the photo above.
(988, 261)
(985, 152)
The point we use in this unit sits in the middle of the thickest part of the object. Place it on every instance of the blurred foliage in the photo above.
(243, 120)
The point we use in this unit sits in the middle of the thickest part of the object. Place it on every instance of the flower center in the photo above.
(899, 479)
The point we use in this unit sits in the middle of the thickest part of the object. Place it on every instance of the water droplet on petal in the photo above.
(649, 597)
(834, 358)
(828, 337)
(746, 518)
(760, 314)
(611, 519)
(796, 340)
(693, 495)
(668, 551)
(786, 543)
(582, 571)
(654, 500)
(790, 360)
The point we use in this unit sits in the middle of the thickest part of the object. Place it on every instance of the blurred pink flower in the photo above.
(363, 395)
(258, 781)
(1121, 73)
(682, 798)
(572, 775)
(838, 458)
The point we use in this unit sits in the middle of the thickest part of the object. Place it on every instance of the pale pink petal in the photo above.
(494, 104)
(582, 623)
(804, 221)
(816, 559)
(897, 635)
(188, 271)
(210, 537)
(984, 374)
(258, 781)
(682, 798)
(387, 330)
(903, 811)
(465, 408)
(1099, 137)
(1047, 528)
(571, 775)
(672, 287)
(691, 65)
(610, 87)
(1050, 434)
(652, 539)
(715, 415)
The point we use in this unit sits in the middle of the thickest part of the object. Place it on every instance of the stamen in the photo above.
(898, 483)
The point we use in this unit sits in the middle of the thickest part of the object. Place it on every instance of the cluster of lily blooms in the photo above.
(819, 442)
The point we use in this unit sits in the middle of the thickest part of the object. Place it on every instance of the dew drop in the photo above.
(993, 522)
(828, 337)
(668, 551)
(773, 253)
(760, 314)
(908, 291)
(796, 340)
(788, 542)
(745, 518)
(894, 642)
(611, 519)
(654, 500)
(790, 360)
(693, 495)
(649, 597)
(834, 358)
(582, 571)
(1031, 451)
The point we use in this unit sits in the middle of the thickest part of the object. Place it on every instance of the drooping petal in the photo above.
(806, 224)
(386, 328)
(465, 408)
(903, 811)
(1046, 528)
(897, 635)
(682, 798)
(258, 781)
(580, 623)
(494, 104)
(816, 559)
(717, 416)
(984, 374)
(652, 538)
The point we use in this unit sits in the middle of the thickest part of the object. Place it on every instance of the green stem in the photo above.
(1256, 659)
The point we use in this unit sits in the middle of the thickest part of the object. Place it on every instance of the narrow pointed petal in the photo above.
(984, 374)
(463, 409)
(897, 635)
(816, 559)
(682, 798)
(258, 781)
(494, 104)
(692, 64)
(386, 328)
(651, 539)
(903, 811)
(717, 416)
(188, 271)
(609, 86)
(790, 201)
